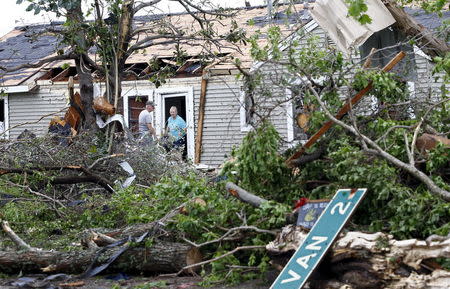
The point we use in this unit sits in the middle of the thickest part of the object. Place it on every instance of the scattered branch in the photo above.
(16, 239)
(435, 189)
(230, 232)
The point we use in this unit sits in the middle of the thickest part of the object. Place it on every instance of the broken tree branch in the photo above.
(230, 232)
(16, 239)
(431, 45)
(377, 150)
(61, 180)
(39, 63)
(343, 110)
(243, 195)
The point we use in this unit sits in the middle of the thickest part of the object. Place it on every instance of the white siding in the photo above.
(26, 110)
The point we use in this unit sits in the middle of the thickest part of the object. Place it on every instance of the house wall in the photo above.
(26, 110)
(221, 128)
(221, 123)
(272, 74)
(427, 85)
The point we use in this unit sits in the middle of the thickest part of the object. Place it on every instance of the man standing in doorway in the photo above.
(146, 129)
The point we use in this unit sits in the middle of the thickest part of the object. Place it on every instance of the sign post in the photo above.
(320, 238)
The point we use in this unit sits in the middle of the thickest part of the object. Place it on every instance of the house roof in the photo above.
(29, 44)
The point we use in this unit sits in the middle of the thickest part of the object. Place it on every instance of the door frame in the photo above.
(188, 92)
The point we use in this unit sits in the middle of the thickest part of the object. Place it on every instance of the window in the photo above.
(298, 114)
(2, 115)
(247, 110)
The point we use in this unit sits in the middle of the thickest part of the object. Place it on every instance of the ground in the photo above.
(133, 283)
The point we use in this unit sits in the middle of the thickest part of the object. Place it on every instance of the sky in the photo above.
(12, 15)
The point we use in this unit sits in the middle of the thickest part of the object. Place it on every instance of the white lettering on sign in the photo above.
(313, 245)
(303, 261)
(342, 210)
(294, 275)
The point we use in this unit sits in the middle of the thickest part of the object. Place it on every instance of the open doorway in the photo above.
(179, 102)
(183, 99)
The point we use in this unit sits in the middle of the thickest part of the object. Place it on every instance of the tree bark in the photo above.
(87, 95)
(431, 45)
(75, 15)
(160, 257)
(243, 195)
(358, 260)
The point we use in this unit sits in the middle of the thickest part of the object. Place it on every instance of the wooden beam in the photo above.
(201, 118)
(343, 110)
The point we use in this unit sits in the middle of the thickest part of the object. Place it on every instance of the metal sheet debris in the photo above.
(346, 32)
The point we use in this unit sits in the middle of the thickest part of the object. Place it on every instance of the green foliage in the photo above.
(387, 86)
(390, 205)
(259, 168)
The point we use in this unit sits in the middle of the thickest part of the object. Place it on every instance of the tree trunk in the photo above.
(358, 260)
(87, 95)
(160, 257)
(75, 16)
(431, 45)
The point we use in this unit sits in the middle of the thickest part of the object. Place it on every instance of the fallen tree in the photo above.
(159, 257)
(361, 260)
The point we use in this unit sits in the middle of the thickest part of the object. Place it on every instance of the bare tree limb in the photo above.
(16, 239)
(39, 63)
(144, 4)
(230, 232)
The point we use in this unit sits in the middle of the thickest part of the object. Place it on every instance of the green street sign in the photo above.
(320, 238)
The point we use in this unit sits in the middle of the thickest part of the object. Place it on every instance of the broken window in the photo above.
(389, 42)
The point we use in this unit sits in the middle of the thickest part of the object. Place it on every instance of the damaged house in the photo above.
(207, 93)
(209, 96)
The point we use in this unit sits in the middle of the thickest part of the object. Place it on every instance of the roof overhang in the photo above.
(18, 88)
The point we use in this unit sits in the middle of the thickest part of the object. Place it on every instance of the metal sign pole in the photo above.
(320, 238)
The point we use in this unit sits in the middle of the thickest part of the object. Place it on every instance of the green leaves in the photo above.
(259, 167)
(356, 9)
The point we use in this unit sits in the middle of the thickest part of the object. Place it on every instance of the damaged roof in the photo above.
(21, 46)
(32, 43)
(29, 44)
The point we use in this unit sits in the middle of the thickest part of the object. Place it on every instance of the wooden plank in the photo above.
(343, 110)
(201, 118)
